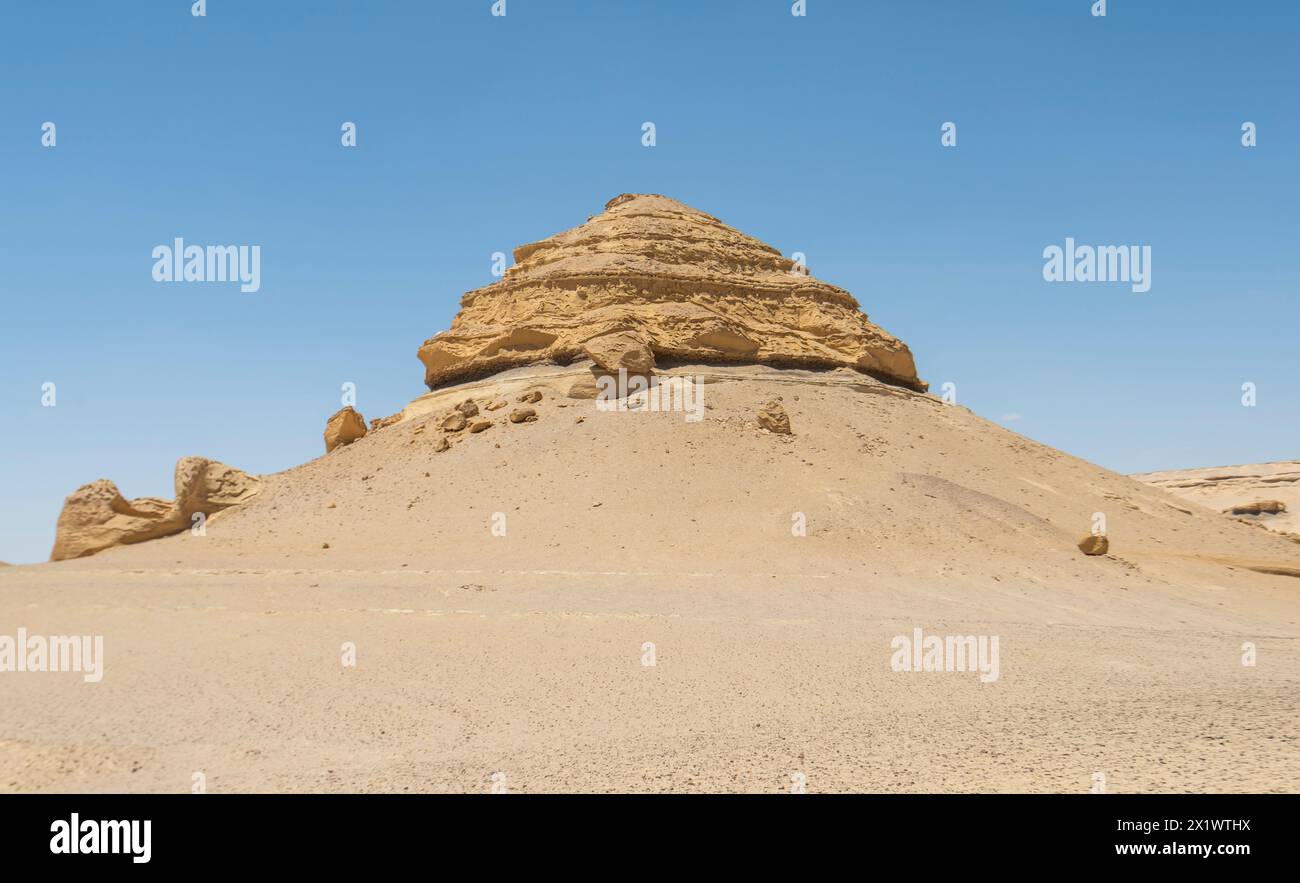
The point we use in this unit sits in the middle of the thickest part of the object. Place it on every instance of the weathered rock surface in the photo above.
(624, 350)
(652, 278)
(773, 418)
(207, 486)
(583, 388)
(96, 516)
(381, 422)
(344, 427)
(453, 422)
(1259, 507)
(523, 415)
(1227, 488)
(1092, 544)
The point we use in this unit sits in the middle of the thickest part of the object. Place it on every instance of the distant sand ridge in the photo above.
(1262, 493)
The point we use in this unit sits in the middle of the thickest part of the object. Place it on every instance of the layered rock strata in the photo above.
(652, 279)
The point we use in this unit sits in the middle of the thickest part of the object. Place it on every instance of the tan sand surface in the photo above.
(523, 654)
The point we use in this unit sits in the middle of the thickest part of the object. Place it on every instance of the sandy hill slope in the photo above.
(508, 584)
(628, 533)
(1227, 487)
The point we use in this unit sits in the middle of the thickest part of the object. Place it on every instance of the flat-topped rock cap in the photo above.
(673, 283)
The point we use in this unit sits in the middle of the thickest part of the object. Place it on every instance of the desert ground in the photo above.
(520, 659)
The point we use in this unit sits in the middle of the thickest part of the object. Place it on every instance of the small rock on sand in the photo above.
(774, 419)
(1092, 544)
(343, 428)
(1259, 507)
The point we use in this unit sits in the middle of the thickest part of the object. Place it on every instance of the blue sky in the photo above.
(478, 133)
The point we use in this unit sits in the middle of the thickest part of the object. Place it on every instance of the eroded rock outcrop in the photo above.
(345, 426)
(652, 278)
(626, 350)
(96, 516)
(208, 486)
(380, 422)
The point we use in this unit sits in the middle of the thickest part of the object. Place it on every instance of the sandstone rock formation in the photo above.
(773, 418)
(523, 415)
(96, 516)
(1227, 488)
(652, 278)
(381, 422)
(625, 350)
(207, 486)
(343, 428)
(1259, 507)
(1094, 545)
